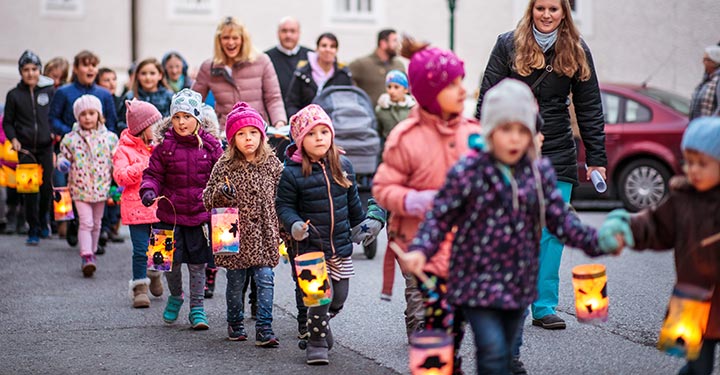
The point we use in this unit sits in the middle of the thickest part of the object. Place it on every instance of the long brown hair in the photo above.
(570, 58)
(233, 155)
(158, 66)
(333, 158)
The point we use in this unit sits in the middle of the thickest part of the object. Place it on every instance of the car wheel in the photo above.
(643, 183)
(370, 250)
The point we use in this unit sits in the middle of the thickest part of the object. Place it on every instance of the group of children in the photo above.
(468, 209)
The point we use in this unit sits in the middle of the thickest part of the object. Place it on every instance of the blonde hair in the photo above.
(333, 157)
(570, 58)
(247, 52)
(61, 64)
(233, 155)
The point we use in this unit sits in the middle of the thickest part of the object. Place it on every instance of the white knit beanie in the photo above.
(508, 101)
(713, 53)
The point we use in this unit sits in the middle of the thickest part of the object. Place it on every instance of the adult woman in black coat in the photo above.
(546, 52)
(320, 70)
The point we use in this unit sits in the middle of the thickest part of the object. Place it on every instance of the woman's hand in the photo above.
(590, 170)
(16, 144)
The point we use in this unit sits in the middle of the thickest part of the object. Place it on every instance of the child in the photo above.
(58, 70)
(148, 85)
(393, 106)
(406, 182)
(496, 202)
(176, 72)
(318, 185)
(687, 221)
(107, 78)
(26, 125)
(129, 162)
(86, 153)
(246, 177)
(179, 169)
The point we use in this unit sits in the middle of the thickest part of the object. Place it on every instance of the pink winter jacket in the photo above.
(253, 82)
(129, 162)
(418, 154)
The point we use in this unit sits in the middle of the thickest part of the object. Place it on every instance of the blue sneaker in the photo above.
(172, 309)
(32, 240)
(45, 233)
(198, 319)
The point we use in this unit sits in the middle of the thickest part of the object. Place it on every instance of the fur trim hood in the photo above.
(207, 125)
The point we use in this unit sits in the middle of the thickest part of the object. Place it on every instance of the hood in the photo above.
(165, 125)
(129, 140)
(184, 63)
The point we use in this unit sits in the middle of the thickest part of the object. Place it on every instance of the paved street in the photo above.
(54, 321)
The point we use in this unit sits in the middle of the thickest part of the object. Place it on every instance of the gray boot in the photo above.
(317, 346)
(317, 353)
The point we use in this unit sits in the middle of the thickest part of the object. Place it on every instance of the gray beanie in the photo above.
(187, 101)
(508, 101)
(713, 53)
(29, 57)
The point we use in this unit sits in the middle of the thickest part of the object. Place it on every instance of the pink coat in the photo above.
(129, 162)
(418, 154)
(253, 82)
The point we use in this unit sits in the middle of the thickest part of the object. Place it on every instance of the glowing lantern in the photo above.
(9, 155)
(225, 232)
(591, 299)
(10, 177)
(28, 178)
(161, 247)
(62, 204)
(313, 278)
(431, 353)
(3, 177)
(687, 316)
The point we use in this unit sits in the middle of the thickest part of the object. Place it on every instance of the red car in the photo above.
(643, 130)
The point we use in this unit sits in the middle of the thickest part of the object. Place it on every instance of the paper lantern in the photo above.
(28, 178)
(3, 177)
(62, 204)
(591, 299)
(10, 177)
(313, 278)
(225, 232)
(161, 247)
(9, 155)
(684, 326)
(431, 353)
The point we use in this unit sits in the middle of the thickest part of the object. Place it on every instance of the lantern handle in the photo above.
(28, 153)
(420, 275)
(172, 206)
(710, 240)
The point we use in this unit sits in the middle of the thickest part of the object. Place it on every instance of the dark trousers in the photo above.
(37, 204)
(704, 364)
(494, 332)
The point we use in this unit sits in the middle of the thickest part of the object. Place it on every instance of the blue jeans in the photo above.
(548, 282)
(703, 365)
(264, 280)
(494, 332)
(139, 236)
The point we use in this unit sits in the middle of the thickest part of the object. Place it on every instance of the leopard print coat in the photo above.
(255, 186)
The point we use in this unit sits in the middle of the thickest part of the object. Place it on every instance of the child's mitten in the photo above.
(299, 231)
(148, 197)
(419, 202)
(367, 231)
(617, 222)
(63, 165)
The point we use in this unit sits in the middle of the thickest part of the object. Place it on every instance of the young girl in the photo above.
(148, 86)
(129, 162)
(179, 169)
(497, 201)
(86, 153)
(318, 185)
(176, 72)
(246, 177)
(688, 222)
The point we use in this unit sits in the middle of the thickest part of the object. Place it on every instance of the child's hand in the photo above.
(148, 198)
(228, 192)
(417, 203)
(299, 231)
(63, 165)
(615, 233)
(413, 262)
(366, 232)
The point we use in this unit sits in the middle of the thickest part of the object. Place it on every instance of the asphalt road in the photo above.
(52, 320)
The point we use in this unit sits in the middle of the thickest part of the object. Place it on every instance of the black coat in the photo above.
(303, 88)
(301, 198)
(552, 95)
(27, 116)
(285, 66)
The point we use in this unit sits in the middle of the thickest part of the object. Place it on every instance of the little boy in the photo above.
(393, 106)
(687, 221)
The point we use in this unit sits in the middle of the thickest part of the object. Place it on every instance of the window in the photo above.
(636, 112)
(192, 9)
(361, 11)
(62, 8)
(611, 108)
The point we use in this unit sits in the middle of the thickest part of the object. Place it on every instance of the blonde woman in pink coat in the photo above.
(129, 162)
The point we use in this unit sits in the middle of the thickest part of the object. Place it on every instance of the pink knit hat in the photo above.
(243, 115)
(86, 102)
(430, 71)
(140, 115)
(302, 122)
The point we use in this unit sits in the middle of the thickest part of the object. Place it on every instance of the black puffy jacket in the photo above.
(333, 210)
(552, 95)
(26, 116)
(303, 88)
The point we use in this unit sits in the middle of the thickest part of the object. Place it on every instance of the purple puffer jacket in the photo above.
(179, 170)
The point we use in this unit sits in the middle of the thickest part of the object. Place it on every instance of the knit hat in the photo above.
(302, 122)
(508, 101)
(703, 135)
(86, 102)
(396, 76)
(430, 71)
(29, 57)
(140, 115)
(187, 101)
(713, 53)
(243, 115)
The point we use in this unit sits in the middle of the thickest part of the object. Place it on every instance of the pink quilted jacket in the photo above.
(129, 162)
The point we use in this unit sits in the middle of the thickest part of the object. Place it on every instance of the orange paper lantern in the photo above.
(225, 231)
(3, 177)
(431, 353)
(313, 279)
(62, 204)
(685, 322)
(9, 154)
(28, 178)
(591, 299)
(10, 177)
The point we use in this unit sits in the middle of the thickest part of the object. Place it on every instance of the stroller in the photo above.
(353, 117)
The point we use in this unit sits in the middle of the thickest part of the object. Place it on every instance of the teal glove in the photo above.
(617, 222)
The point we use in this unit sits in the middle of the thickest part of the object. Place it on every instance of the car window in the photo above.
(674, 101)
(611, 107)
(636, 112)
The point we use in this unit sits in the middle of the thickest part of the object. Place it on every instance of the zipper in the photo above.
(32, 97)
(332, 209)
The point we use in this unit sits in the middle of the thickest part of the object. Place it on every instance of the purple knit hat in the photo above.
(430, 71)
(243, 115)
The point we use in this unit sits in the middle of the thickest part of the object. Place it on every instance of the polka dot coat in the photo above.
(90, 154)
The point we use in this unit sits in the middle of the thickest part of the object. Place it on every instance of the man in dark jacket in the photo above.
(369, 72)
(286, 55)
(27, 126)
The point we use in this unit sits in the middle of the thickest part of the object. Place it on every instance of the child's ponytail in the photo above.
(410, 46)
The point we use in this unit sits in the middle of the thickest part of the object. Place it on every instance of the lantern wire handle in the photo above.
(173, 208)
(420, 275)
